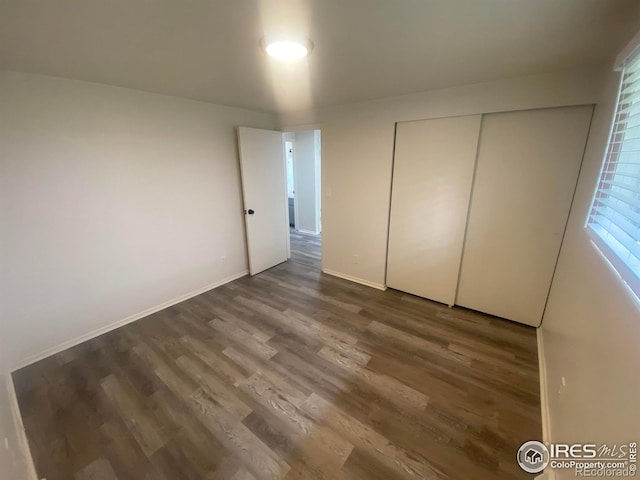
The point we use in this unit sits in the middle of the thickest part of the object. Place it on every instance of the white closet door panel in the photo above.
(432, 176)
(528, 164)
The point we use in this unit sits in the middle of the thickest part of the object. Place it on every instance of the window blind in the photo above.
(614, 218)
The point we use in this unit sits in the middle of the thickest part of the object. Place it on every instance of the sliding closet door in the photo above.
(432, 175)
(528, 164)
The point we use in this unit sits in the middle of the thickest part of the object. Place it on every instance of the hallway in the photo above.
(306, 249)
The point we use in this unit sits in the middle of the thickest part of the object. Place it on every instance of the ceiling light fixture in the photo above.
(286, 47)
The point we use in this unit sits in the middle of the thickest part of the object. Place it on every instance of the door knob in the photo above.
(250, 212)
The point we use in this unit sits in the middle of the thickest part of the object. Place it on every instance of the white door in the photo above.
(432, 176)
(526, 173)
(264, 190)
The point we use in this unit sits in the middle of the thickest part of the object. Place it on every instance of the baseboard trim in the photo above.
(354, 279)
(544, 389)
(307, 232)
(25, 451)
(107, 328)
(548, 474)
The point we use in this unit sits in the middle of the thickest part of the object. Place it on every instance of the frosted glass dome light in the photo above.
(284, 48)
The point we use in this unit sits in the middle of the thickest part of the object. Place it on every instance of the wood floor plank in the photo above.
(127, 457)
(242, 474)
(193, 443)
(415, 342)
(328, 334)
(242, 337)
(258, 458)
(215, 387)
(276, 375)
(99, 469)
(135, 416)
(389, 387)
(287, 408)
(289, 374)
(408, 466)
(222, 367)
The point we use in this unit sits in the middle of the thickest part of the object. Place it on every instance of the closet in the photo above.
(479, 205)
(432, 176)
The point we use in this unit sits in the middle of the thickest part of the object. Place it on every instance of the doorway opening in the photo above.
(303, 157)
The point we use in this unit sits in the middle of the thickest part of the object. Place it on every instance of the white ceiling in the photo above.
(208, 49)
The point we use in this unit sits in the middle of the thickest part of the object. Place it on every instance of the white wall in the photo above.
(357, 152)
(591, 327)
(13, 460)
(112, 201)
(306, 160)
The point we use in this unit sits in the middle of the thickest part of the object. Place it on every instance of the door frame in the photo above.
(295, 185)
(305, 128)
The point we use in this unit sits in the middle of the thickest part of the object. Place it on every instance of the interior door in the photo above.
(432, 176)
(526, 173)
(264, 189)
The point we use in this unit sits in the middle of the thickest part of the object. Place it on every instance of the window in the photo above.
(614, 218)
